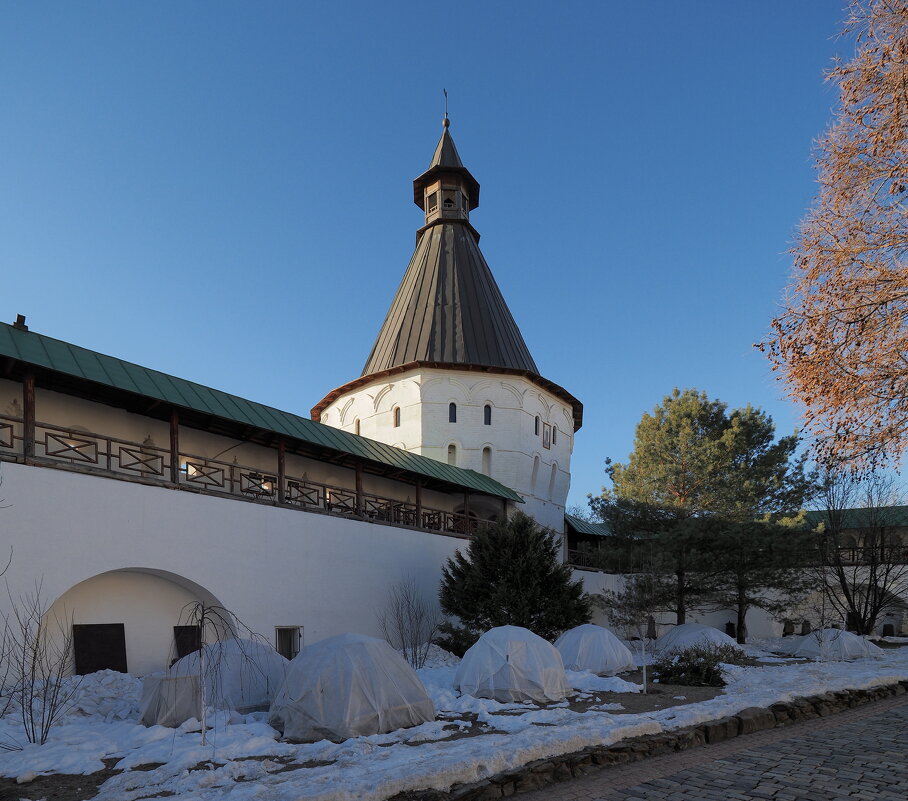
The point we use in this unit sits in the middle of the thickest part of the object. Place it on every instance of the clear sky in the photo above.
(222, 190)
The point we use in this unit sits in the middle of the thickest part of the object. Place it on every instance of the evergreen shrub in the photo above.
(697, 665)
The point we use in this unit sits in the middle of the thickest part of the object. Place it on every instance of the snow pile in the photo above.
(107, 694)
(591, 683)
(688, 635)
(594, 648)
(248, 763)
(439, 657)
(510, 663)
(836, 645)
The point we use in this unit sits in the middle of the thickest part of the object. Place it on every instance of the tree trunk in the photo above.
(742, 614)
(680, 600)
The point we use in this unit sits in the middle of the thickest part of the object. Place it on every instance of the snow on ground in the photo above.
(244, 761)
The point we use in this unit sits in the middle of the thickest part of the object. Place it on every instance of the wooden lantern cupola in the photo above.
(446, 192)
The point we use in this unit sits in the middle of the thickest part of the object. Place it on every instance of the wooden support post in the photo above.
(281, 451)
(28, 414)
(359, 489)
(466, 513)
(175, 446)
(504, 509)
(419, 502)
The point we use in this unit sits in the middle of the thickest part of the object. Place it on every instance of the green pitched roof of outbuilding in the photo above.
(585, 527)
(889, 516)
(62, 357)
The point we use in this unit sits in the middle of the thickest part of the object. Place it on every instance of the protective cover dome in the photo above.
(510, 663)
(594, 648)
(690, 634)
(347, 686)
(836, 645)
(239, 674)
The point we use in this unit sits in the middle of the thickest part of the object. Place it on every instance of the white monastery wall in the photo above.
(271, 566)
(519, 456)
(759, 622)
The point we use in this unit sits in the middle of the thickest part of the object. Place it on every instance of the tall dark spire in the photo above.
(446, 161)
(448, 308)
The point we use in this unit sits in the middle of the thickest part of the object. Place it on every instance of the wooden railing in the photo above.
(117, 457)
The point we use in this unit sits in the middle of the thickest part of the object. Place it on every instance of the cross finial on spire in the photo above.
(446, 122)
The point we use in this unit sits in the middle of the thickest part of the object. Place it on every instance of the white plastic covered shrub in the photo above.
(689, 634)
(594, 648)
(835, 645)
(347, 686)
(509, 664)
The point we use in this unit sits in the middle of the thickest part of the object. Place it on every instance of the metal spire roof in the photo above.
(446, 159)
(448, 311)
(448, 307)
(446, 154)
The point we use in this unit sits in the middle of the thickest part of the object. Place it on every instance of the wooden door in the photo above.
(99, 646)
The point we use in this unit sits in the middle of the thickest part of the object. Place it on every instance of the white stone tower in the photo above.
(449, 375)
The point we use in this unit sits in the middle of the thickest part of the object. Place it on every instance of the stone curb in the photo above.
(544, 772)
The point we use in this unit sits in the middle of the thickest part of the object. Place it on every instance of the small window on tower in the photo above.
(452, 455)
(397, 416)
(536, 429)
(487, 460)
(449, 202)
(463, 202)
(452, 412)
(554, 434)
(487, 415)
(356, 426)
(432, 202)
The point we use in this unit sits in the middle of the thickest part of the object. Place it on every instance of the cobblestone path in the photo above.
(858, 754)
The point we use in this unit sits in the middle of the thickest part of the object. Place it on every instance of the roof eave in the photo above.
(550, 386)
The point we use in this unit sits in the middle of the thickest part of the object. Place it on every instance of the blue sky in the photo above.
(223, 190)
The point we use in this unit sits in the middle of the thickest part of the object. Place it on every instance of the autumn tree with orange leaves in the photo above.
(841, 341)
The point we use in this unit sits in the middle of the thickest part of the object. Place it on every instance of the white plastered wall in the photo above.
(759, 622)
(271, 566)
(423, 397)
(142, 602)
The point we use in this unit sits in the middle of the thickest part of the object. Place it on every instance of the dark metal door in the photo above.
(99, 646)
(187, 639)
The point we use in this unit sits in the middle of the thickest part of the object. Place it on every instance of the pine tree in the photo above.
(510, 575)
(695, 462)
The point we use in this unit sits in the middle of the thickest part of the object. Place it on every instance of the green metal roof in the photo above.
(861, 518)
(585, 527)
(62, 357)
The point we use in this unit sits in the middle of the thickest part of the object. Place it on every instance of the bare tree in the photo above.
(634, 609)
(216, 625)
(37, 665)
(842, 337)
(410, 621)
(862, 565)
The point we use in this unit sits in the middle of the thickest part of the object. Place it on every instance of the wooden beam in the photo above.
(174, 446)
(359, 489)
(28, 414)
(280, 471)
(419, 502)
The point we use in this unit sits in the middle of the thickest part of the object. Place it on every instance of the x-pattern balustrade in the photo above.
(81, 450)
